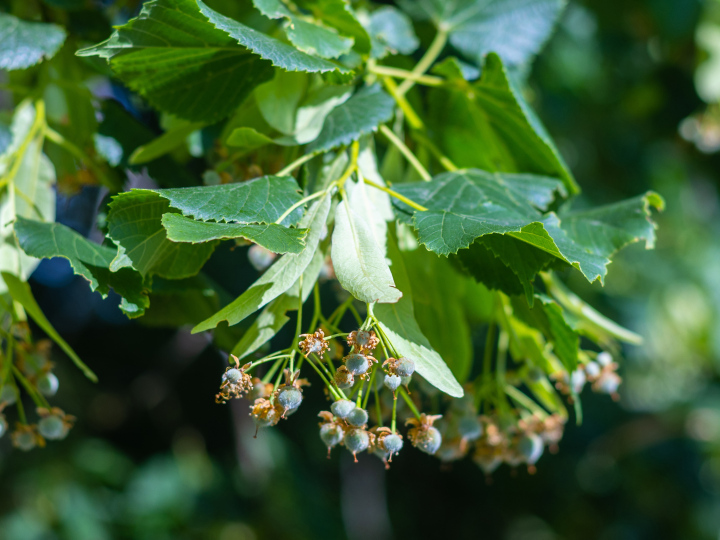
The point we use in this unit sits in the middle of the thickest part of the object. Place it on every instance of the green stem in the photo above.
(427, 80)
(269, 375)
(409, 402)
(525, 401)
(412, 159)
(36, 396)
(295, 164)
(484, 377)
(395, 194)
(433, 51)
(332, 390)
(378, 408)
(412, 117)
(298, 204)
(267, 359)
(370, 385)
(393, 422)
(355, 313)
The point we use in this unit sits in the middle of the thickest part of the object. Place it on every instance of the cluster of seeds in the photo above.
(32, 371)
(601, 373)
(502, 435)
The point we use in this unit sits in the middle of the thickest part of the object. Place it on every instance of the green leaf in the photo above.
(273, 316)
(280, 54)
(310, 36)
(279, 277)
(167, 142)
(514, 29)
(506, 263)
(182, 64)
(135, 225)
(90, 260)
(391, 32)
(312, 112)
(21, 293)
(339, 15)
(261, 200)
(492, 128)
(466, 204)
(548, 317)
(438, 300)
(358, 260)
(24, 44)
(248, 139)
(278, 99)
(361, 114)
(28, 192)
(276, 238)
(398, 323)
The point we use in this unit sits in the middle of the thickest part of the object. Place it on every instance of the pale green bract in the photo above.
(24, 43)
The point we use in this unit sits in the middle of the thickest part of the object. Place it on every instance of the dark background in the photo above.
(153, 457)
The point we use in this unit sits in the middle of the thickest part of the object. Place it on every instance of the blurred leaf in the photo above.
(391, 32)
(26, 179)
(167, 142)
(339, 15)
(177, 302)
(92, 261)
(271, 236)
(278, 99)
(514, 29)
(24, 44)
(21, 293)
(492, 128)
(279, 277)
(399, 325)
(438, 295)
(361, 114)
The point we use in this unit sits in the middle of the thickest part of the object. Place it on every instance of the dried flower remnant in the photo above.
(314, 343)
(235, 382)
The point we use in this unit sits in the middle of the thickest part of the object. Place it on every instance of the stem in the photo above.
(409, 402)
(36, 396)
(358, 402)
(412, 159)
(370, 385)
(484, 378)
(434, 50)
(427, 80)
(266, 359)
(412, 117)
(295, 164)
(332, 390)
(279, 376)
(317, 308)
(393, 422)
(395, 194)
(525, 401)
(354, 152)
(502, 348)
(378, 408)
(301, 202)
(355, 313)
(271, 371)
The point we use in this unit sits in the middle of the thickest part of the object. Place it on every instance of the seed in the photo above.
(8, 395)
(428, 440)
(392, 382)
(404, 367)
(356, 441)
(357, 364)
(392, 443)
(531, 446)
(48, 384)
(331, 434)
(343, 378)
(289, 398)
(233, 375)
(342, 408)
(358, 417)
(52, 427)
(470, 428)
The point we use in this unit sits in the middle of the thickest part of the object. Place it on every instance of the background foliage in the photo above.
(628, 92)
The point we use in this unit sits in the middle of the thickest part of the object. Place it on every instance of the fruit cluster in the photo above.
(26, 364)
